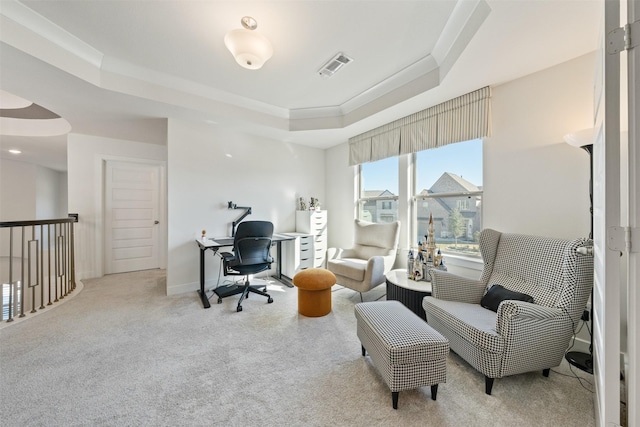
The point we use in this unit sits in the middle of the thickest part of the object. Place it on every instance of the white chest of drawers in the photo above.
(309, 249)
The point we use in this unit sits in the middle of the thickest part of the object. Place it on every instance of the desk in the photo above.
(216, 244)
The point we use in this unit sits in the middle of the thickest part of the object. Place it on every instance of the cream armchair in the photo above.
(363, 267)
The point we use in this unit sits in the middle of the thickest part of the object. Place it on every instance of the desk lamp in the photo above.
(235, 223)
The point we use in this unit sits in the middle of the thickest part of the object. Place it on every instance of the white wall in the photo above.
(534, 182)
(342, 196)
(85, 159)
(50, 190)
(63, 194)
(17, 190)
(209, 166)
(29, 191)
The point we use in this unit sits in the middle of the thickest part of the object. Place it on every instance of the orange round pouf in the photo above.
(314, 291)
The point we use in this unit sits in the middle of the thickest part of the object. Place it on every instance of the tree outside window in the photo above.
(457, 226)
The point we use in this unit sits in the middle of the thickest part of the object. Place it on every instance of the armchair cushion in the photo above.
(472, 322)
(352, 268)
(497, 293)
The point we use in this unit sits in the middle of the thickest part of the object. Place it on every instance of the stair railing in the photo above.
(37, 264)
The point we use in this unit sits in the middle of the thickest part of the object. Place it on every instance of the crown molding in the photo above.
(35, 23)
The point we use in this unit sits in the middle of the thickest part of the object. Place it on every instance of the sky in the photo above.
(463, 159)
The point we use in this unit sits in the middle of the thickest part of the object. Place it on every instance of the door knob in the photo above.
(156, 222)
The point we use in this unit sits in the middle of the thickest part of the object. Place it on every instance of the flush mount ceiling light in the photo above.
(250, 48)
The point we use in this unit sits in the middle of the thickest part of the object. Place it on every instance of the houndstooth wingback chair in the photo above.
(521, 336)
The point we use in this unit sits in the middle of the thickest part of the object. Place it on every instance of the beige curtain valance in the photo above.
(460, 119)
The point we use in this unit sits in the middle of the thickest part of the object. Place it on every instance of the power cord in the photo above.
(581, 380)
(226, 282)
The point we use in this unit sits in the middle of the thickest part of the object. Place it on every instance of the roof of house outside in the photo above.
(448, 176)
(376, 193)
(449, 183)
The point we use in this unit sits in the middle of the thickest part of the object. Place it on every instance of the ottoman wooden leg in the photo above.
(394, 399)
(434, 391)
(364, 350)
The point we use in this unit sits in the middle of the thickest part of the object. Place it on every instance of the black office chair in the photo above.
(251, 245)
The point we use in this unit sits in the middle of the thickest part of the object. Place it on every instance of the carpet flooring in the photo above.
(121, 353)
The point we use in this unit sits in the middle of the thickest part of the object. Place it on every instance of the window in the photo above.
(16, 299)
(449, 193)
(463, 204)
(379, 191)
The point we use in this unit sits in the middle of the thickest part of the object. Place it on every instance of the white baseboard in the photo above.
(581, 345)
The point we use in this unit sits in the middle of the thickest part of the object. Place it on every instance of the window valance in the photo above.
(460, 119)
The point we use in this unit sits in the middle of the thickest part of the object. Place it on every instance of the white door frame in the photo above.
(633, 269)
(100, 170)
(606, 217)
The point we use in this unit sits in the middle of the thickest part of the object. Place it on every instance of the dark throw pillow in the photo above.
(496, 294)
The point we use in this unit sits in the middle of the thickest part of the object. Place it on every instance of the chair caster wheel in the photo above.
(219, 300)
(270, 300)
(239, 309)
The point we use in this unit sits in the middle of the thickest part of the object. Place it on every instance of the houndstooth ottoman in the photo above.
(407, 352)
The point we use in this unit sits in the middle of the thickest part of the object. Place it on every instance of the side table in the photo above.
(408, 292)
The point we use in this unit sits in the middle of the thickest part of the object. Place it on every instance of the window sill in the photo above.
(463, 261)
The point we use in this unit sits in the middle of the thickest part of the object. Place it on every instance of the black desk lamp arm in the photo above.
(235, 223)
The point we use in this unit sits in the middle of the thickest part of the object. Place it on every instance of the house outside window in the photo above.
(378, 199)
(451, 201)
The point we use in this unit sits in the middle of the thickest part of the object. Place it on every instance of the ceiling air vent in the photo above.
(332, 67)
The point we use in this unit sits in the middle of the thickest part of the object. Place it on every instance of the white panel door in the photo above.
(131, 216)
(606, 218)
